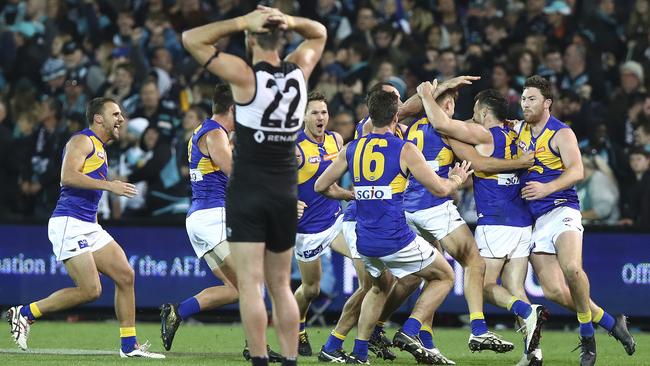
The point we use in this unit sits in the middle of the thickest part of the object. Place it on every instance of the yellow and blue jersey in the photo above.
(82, 203)
(379, 184)
(438, 155)
(207, 179)
(548, 166)
(321, 212)
(351, 210)
(497, 196)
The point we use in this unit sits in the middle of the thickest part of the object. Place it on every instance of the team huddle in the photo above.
(276, 195)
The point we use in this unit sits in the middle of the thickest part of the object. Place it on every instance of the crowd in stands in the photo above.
(58, 54)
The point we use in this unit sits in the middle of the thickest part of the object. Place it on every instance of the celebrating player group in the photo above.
(277, 196)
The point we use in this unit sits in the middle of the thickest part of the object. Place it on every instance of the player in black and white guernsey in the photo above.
(261, 198)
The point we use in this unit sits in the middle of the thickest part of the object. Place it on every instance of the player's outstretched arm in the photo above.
(219, 150)
(411, 159)
(487, 164)
(72, 175)
(413, 105)
(326, 183)
(471, 133)
(567, 145)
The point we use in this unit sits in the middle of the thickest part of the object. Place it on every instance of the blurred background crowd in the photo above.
(58, 54)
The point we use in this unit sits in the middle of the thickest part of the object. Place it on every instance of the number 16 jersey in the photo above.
(379, 184)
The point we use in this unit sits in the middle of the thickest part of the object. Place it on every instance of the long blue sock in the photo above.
(586, 327)
(426, 337)
(602, 318)
(520, 308)
(31, 311)
(360, 349)
(188, 308)
(411, 327)
(127, 339)
(334, 342)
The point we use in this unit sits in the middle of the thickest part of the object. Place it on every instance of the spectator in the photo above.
(120, 87)
(526, 62)
(384, 36)
(632, 80)
(362, 32)
(41, 172)
(348, 97)
(501, 82)
(608, 34)
(9, 166)
(29, 55)
(192, 118)
(642, 136)
(639, 21)
(560, 29)
(635, 200)
(598, 192)
(447, 65)
(74, 94)
(159, 113)
(166, 195)
(576, 77)
(532, 21)
(344, 124)
(53, 75)
(87, 73)
(552, 67)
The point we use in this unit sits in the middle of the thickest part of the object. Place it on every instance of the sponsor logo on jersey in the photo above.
(83, 243)
(101, 155)
(567, 219)
(373, 193)
(522, 146)
(540, 150)
(311, 252)
(314, 159)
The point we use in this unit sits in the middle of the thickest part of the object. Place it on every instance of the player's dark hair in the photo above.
(494, 101)
(221, 98)
(316, 96)
(382, 107)
(271, 40)
(378, 87)
(96, 106)
(540, 83)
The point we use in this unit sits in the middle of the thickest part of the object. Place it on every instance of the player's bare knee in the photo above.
(572, 271)
(91, 292)
(125, 278)
(311, 291)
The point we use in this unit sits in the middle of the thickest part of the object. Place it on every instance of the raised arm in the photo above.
(487, 164)
(200, 43)
(326, 183)
(415, 163)
(219, 150)
(72, 174)
(308, 53)
(567, 144)
(413, 105)
(472, 133)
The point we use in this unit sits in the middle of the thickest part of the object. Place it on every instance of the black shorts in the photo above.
(257, 213)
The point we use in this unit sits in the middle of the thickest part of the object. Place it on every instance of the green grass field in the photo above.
(60, 343)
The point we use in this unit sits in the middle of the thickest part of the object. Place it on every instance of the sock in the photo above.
(519, 308)
(31, 311)
(334, 342)
(361, 349)
(426, 337)
(289, 361)
(188, 308)
(259, 361)
(479, 326)
(586, 327)
(127, 335)
(301, 326)
(379, 328)
(411, 327)
(602, 318)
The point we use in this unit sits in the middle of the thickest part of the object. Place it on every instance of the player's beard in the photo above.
(533, 117)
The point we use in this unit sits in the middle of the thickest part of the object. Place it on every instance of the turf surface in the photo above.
(96, 343)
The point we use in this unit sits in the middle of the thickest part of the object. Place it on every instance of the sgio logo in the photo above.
(373, 193)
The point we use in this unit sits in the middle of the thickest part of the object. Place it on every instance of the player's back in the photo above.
(547, 167)
(316, 157)
(438, 155)
(498, 201)
(207, 180)
(379, 184)
(78, 202)
(266, 127)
